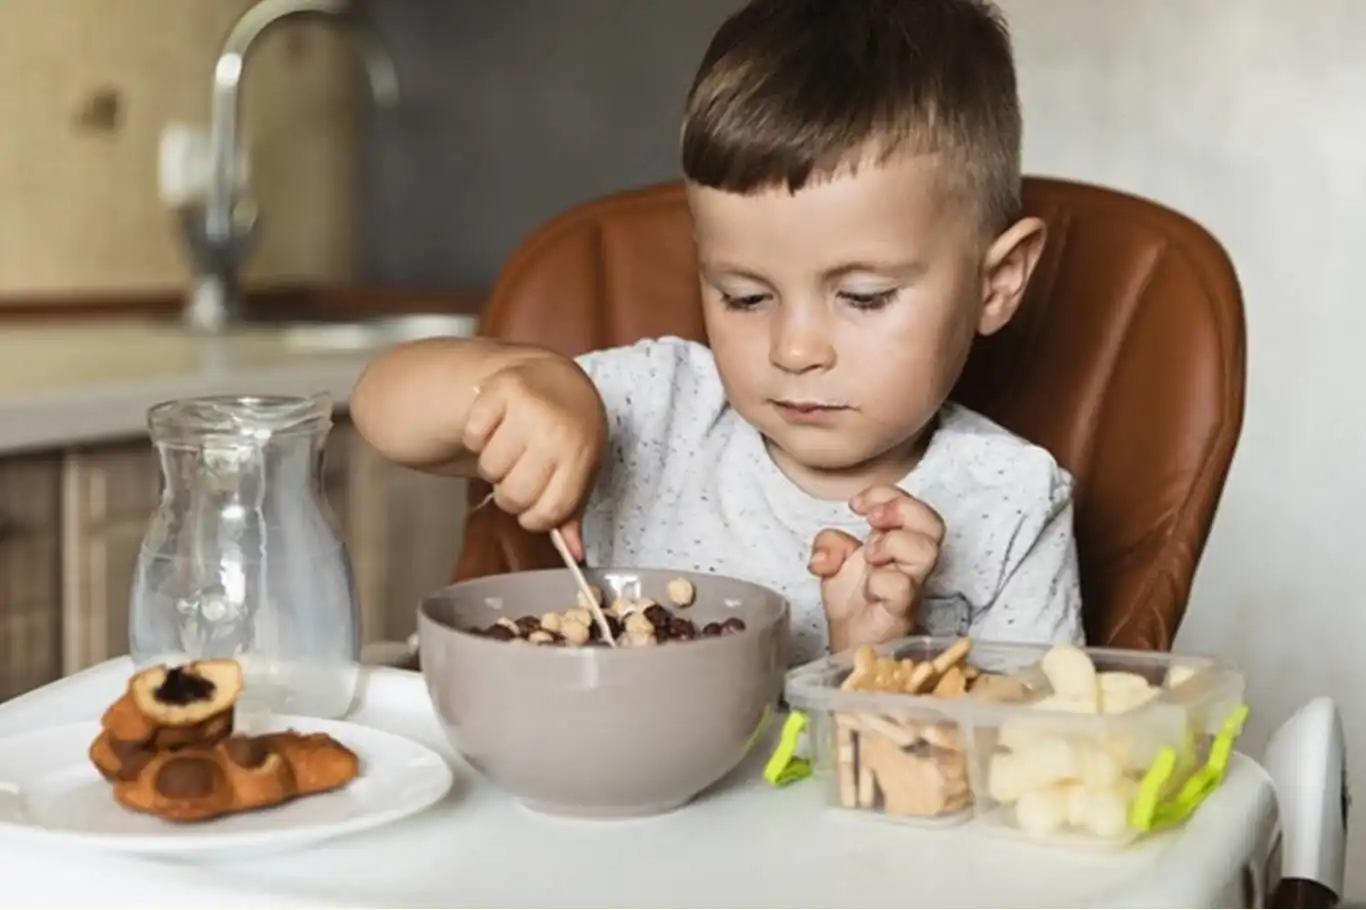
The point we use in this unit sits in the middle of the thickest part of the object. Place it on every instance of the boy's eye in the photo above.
(742, 301)
(874, 301)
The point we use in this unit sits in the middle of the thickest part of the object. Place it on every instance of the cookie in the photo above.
(185, 786)
(177, 707)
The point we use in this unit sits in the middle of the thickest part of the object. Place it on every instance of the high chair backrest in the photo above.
(1126, 361)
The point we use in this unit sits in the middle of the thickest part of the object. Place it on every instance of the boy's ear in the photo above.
(1009, 262)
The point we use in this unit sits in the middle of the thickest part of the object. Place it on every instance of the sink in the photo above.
(368, 334)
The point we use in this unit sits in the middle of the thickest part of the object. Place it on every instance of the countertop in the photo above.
(67, 382)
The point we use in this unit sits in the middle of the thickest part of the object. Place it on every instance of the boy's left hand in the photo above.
(872, 589)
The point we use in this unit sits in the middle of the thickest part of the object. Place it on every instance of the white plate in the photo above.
(49, 791)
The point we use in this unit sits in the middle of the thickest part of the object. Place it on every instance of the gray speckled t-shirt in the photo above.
(688, 484)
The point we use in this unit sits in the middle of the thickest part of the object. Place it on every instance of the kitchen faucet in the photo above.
(218, 232)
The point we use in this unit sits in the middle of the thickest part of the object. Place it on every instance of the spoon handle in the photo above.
(593, 605)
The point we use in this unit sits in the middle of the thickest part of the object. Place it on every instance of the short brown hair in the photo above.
(791, 90)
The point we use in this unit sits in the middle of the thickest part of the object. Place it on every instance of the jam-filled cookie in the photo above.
(174, 707)
(186, 786)
(258, 774)
(118, 760)
(239, 774)
(320, 763)
(167, 746)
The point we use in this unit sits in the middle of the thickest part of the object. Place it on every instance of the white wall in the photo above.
(1250, 116)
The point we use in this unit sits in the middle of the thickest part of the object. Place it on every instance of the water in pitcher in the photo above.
(243, 557)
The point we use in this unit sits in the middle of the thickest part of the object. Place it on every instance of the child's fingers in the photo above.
(572, 531)
(874, 496)
(523, 485)
(909, 552)
(829, 551)
(892, 590)
(482, 421)
(500, 455)
(888, 507)
(557, 503)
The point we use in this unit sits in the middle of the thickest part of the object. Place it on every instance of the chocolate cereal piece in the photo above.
(500, 633)
(658, 616)
(614, 624)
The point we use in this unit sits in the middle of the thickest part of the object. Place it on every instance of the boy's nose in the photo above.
(799, 345)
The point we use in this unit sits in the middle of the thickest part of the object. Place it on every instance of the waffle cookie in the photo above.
(238, 774)
(168, 747)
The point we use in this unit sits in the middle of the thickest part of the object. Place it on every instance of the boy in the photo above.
(853, 174)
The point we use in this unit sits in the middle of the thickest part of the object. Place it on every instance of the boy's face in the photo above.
(841, 316)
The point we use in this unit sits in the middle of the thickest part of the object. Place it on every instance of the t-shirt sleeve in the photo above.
(1039, 598)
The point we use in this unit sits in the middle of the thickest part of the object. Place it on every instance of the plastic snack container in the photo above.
(1080, 746)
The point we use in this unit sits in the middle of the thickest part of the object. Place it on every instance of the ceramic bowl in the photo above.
(596, 731)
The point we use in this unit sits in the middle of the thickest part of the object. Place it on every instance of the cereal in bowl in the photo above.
(635, 622)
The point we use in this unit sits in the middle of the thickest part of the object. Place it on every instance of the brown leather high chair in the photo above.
(1126, 361)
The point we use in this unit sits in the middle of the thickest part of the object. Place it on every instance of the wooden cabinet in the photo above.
(406, 533)
(403, 530)
(108, 494)
(71, 528)
(30, 572)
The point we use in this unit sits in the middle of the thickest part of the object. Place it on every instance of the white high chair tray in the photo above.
(743, 844)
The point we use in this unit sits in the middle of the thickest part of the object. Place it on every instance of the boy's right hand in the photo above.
(538, 429)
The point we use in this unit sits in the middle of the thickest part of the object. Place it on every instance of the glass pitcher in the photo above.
(243, 557)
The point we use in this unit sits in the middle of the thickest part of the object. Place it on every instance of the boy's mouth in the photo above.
(808, 411)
